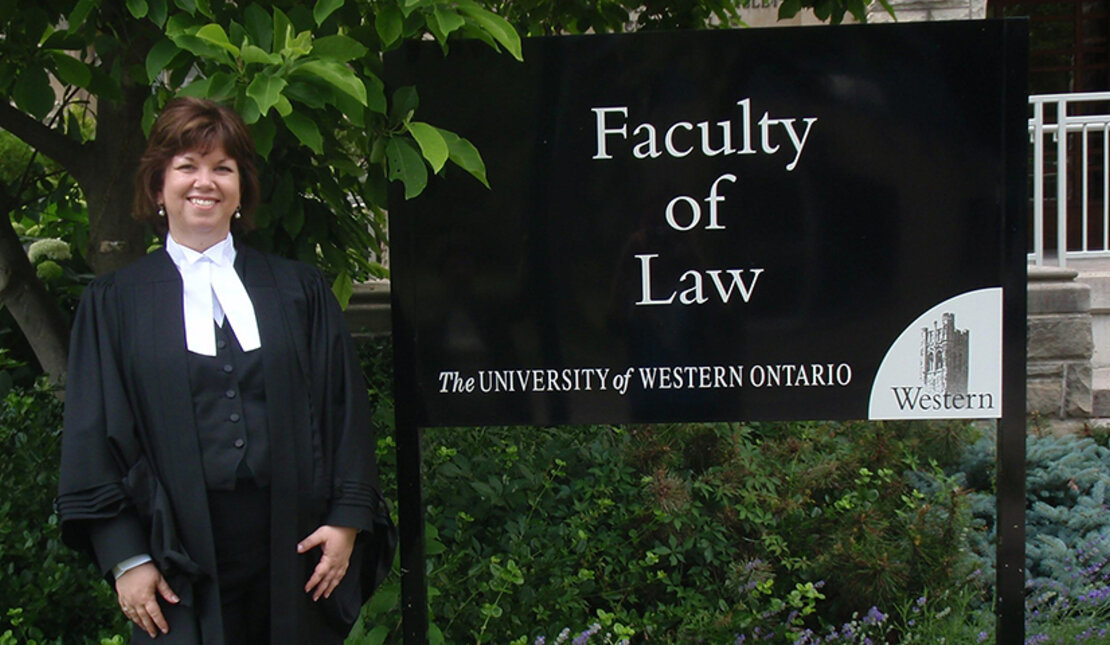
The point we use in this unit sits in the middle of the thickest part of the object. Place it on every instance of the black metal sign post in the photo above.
(1010, 463)
(410, 482)
(778, 224)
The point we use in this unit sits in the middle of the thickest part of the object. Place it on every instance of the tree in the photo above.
(308, 81)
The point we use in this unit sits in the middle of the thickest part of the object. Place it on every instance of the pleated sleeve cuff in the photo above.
(101, 502)
(356, 505)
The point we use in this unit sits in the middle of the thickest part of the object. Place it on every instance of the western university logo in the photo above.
(947, 364)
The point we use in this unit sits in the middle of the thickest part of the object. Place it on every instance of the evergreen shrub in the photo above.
(1066, 504)
(1067, 531)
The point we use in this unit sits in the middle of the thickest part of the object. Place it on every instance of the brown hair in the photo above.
(186, 124)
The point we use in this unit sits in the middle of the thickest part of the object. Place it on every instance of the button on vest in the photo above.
(229, 403)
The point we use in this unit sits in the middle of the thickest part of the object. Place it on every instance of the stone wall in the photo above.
(928, 10)
(1059, 347)
(368, 312)
(765, 13)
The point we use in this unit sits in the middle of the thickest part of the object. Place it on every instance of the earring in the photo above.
(161, 210)
(238, 212)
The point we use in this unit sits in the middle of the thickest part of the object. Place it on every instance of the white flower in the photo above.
(50, 248)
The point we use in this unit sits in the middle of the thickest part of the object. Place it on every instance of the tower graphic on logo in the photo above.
(944, 356)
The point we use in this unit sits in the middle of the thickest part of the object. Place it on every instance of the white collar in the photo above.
(211, 290)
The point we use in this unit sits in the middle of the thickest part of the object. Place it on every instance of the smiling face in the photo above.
(200, 193)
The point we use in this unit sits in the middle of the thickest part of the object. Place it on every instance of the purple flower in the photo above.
(982, 637)
(874, 617)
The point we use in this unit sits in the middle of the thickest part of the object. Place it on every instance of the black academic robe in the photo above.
(131, 477)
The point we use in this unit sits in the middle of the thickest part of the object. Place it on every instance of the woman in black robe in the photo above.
(217, 458)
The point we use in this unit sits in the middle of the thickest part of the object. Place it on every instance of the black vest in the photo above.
(229, 403)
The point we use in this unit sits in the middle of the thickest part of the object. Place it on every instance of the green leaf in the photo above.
(222, 87)
(298, 46)
(293, 222)
(265, 90)
(334, 74)
(375, 93)
(377, 635)
(858, 10)
(248, 109)
(338, 48)
(159, 56)
(256, 55)
(325, 8)
(463, 154)
(435, 635)
(343, 287)
(823, 9)
(437, 31)
(263, 133)
(216, 35)
(495, 25)
(79, 14)
(377, 150)
(71, 71)
(448, 19)
(352, 109)
(260, 26)
(405, 102)
(432, 144)
(311, 95)
(306, 130)
(203, 48)
(138, 8)
(199, 89)
(283, 106)
(283, 29)
(150, 112)
(64, 40)
(389, 23)
(188, 6)
(32, 92)
(158, 12)
(789, 8)
(406, 166)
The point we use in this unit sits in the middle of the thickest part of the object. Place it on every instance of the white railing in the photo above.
(1092, 132)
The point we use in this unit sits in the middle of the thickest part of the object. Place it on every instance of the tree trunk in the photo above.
(115, 238)
(32, 307)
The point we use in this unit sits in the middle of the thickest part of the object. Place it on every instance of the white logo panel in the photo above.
(947, 364)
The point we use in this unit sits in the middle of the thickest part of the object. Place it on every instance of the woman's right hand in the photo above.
(138, 590)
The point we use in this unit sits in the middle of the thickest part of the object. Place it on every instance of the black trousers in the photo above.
(241, 529)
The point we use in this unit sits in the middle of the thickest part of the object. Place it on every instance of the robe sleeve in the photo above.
(348, 437)
(98, 438)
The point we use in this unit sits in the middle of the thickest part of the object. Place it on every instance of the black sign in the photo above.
(726, 225)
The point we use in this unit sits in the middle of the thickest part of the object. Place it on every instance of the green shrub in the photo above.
(681, 533)
(48, 593)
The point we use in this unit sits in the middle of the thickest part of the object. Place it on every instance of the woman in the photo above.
(217, 460)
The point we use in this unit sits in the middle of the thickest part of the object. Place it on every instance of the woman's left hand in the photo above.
(337, 543)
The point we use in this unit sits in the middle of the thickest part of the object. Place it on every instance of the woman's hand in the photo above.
(138, 590)
(337, 543)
